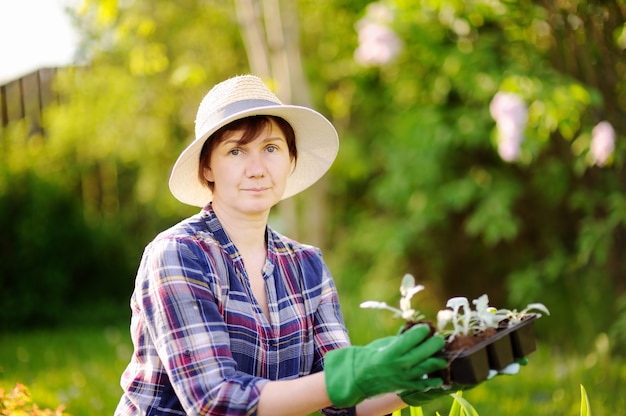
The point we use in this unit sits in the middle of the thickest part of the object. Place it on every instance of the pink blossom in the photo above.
(511, 115)
(602, 142)
(378, 43)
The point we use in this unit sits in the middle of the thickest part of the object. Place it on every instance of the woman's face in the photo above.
(249, 178)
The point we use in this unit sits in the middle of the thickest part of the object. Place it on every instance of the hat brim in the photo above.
(316, 140)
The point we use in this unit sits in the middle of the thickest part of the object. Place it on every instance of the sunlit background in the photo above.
(35, 34)
(482, 150)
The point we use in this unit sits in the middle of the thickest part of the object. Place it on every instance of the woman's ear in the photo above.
(208, 174)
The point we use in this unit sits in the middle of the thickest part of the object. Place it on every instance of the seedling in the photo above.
(408, 289)
(515, 317)
(458, 318)
(464, 320)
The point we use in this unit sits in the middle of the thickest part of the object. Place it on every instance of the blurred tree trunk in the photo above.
(271, 35)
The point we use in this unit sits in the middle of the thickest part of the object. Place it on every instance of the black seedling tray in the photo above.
(471, 365)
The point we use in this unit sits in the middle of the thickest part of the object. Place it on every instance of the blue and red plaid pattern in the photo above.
(202, 345)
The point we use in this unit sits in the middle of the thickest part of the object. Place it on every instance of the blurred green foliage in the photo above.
(55, 266)
(418, 186)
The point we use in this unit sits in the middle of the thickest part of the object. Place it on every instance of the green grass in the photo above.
(81, 369)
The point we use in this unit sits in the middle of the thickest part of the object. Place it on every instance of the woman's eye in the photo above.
(235, 152)
(272, 148)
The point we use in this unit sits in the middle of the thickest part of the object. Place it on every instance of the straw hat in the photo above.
(243, 96)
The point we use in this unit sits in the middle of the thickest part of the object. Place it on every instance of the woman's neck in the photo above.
(246, 232)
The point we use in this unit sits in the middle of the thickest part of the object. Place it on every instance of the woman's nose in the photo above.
(255, 166)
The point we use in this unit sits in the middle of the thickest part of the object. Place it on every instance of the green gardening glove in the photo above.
(436, 389)
(423, 396)
(390, 364)
(419, 397)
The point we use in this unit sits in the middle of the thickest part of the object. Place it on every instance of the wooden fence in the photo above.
(26, 97)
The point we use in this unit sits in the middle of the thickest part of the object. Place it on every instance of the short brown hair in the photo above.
(252, 126)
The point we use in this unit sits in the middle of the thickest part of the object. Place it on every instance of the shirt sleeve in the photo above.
(188, 332)
(330, 331)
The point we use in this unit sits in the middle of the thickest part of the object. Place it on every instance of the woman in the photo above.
(229, 317)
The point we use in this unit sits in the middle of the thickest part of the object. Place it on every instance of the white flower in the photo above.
(511, 115)
(602, 142)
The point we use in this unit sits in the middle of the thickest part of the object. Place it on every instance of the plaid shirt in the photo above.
(202, 345)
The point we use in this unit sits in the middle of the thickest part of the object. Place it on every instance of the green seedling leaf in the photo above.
(585, 408)
(537, 306)
(408, 288)
(372, 304)
(416, 411)
(461, 407)
(461, 322)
